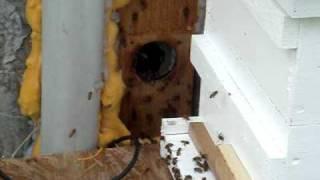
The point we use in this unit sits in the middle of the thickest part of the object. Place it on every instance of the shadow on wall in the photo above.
(14, 48)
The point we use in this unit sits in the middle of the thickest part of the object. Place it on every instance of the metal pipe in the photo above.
(72, 38)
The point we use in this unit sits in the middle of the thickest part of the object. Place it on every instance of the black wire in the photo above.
(118, 141)
(4, 176)
(134, 159)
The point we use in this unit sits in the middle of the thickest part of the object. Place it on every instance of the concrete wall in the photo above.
(14, 48)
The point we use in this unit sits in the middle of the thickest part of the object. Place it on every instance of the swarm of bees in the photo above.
(201, 164)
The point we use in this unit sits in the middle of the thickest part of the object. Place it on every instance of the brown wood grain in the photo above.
(159, 16)
(222, 159)
(108, 164)
(146, 103)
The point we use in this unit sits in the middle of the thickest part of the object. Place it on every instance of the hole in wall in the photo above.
(154, 61)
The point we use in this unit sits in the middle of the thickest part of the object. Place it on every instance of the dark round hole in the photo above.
(154, 61)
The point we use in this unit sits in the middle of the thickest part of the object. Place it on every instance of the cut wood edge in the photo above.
(222, 159)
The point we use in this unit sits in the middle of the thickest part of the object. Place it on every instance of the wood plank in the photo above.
(159, 16)
(222, 159)
(107, 164)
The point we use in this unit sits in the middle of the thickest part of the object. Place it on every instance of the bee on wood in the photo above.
(203, 165)
(185, 142)
(221, 137)
(214, 94)
(198, 170)
(179, 151)
(168, 159)
(204, 156)
(188, 177)
(174, 161)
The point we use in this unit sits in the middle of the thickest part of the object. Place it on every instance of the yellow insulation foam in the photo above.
(111, 127)
(29, 99)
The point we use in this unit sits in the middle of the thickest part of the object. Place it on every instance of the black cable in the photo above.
(134, 159)
(4, 176)
(118, 141)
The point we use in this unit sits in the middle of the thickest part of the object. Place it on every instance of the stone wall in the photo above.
(14, 48)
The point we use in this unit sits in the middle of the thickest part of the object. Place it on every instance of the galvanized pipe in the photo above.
(72, 38)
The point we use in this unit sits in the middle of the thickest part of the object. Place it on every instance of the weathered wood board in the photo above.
(106, 165)
(171, 22)
(159, 16)
(222, 159)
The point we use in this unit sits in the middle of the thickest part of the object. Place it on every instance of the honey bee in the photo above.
(185, 142)
(214, 94)
(221, 137)
(197, 159)
(174, 161)
(199, 170)
(188, 177)
(169, 145)
(90, 95)
(179, 151)
(72, 133)
(204, 156)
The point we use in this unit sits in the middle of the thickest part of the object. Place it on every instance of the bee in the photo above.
(177, 175)
(199, 170)
(204, 178)
(162, 138)
(174, 161)
(204, 165)
(90, 95)
(197, 159)
(214, 94)
(179, 151)
(221, 137)
(204, 156)
(168, 157)
(72, 133)
(188, 177)
(176, 172)
(185, 142)
(169, 145)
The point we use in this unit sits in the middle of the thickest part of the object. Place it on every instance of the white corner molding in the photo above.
(259, 144)
(301, 8)
(265, 65)
(281, 28)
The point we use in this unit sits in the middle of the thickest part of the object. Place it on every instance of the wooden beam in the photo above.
(222, 159)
